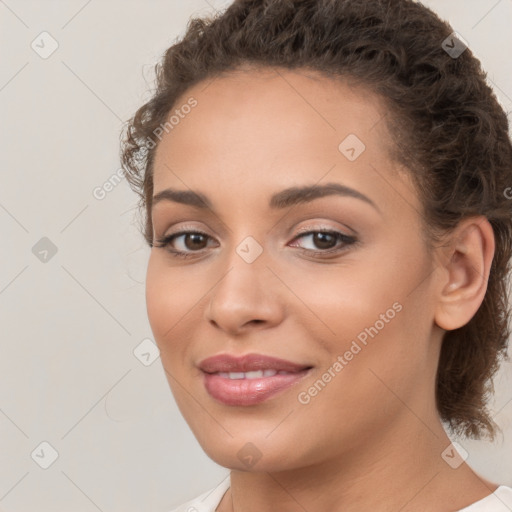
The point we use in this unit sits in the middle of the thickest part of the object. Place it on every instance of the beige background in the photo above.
(71, 323)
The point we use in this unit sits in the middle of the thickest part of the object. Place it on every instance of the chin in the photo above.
(255, 463)
(251, 453)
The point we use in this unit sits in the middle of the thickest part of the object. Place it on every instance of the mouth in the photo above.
(249, 380)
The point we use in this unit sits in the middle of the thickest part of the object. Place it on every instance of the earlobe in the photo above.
(465, 273)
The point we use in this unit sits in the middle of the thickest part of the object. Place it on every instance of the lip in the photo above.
(248, 363)
(245, 392)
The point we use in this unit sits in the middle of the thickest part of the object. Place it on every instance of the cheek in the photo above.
(170, 295)
(159, 302)
(175, 297)
(166, 304)
(340, 301)
(373, 308)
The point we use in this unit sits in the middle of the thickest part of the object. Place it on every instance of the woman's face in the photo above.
(354, 312)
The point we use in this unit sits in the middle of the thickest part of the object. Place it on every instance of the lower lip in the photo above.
(249, 391)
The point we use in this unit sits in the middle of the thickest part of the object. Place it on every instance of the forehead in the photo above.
(260, 101)
(265, 128)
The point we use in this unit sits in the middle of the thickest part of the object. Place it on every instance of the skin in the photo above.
(372, 438)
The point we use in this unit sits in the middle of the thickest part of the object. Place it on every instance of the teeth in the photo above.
(256, 374)
(236, 375)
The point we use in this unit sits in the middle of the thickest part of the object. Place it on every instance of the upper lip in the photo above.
(247, 363)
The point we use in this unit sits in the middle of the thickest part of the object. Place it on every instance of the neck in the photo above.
(396, 472)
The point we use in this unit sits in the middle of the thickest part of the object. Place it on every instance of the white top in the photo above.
(499, 501)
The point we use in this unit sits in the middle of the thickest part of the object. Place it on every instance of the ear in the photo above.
(467, 264)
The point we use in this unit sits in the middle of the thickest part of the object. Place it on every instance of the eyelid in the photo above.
(187, 228)
(305, 229)
(346, 241)
(325, 227)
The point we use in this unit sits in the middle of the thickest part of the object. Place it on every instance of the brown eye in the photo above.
(184, 243)
(194, 241)
(326, 241)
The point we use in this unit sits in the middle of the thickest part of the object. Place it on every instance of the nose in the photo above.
(247, 296)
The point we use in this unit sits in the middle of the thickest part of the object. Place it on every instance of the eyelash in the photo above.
(347, 241)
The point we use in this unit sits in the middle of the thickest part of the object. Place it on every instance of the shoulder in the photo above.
(206, 502)
(499, 501)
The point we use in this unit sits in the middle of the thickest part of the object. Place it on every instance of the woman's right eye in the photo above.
(193, 238)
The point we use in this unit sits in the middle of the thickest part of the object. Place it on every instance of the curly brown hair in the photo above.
(451, 134)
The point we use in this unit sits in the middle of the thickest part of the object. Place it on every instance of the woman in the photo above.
(324, 188)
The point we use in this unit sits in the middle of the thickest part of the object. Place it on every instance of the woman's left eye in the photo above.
(327, 242)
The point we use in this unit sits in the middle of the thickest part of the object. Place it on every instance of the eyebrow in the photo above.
(280, 200)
